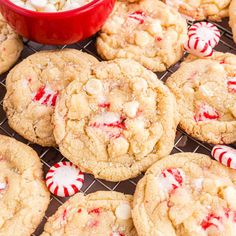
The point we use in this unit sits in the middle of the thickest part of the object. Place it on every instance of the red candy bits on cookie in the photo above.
(104, 105)
(138, 16)
(64, 179)
(206, 113)
(172, 178)
(96, 211)
(231, 83)
(225, 155)
(112, 124)
(46, 96)
(211, 220)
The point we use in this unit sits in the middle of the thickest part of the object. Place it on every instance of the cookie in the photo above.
(232, 17)
(148, 32)
(205, 91)
(116, 122)
(24, 197)
(33, 87)
(202, 9)
(100, 213)
(10, 46)
(186, 194)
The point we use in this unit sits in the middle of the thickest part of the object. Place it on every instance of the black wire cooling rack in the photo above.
(50, 156)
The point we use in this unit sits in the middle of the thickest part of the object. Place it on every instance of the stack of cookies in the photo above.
(115, 120)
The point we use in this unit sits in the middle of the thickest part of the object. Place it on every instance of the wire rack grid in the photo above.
(50, 156)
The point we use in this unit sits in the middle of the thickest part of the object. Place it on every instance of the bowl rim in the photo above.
(31, 13)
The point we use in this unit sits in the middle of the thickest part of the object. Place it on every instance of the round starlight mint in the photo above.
(203, 37)
(205, 31)
(64, 179)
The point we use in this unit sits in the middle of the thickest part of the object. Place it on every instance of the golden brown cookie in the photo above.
(213, 10)
(10, 46)
(117, 121)
(24, 197)
(186, 194)
(232, 17)
(100, 214)
(147, 31)
(33, 88)
(205, 91)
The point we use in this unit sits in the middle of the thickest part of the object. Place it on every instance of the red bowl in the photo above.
(57, 28)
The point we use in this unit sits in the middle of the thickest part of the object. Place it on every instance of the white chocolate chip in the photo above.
(206, 91)
(115, 24)
(175, 3)
(123, 211)
(155, 28)
(50, 5)
(140, 85)
(19, 3)
(38, 4)
(217, 68)
(29, 6)
(107, 118)
(94, 86)
(119, 20)
(2, 186)
(71, 5)
(131, 109)
(142, 38)
(229, 195)
(79, 107)
(136, 126)
(188, 90)
(50, 8)
(197, 184)
(118, 147)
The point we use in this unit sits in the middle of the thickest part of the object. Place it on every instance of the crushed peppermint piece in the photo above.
(46, 96)
(139, 16)
(205, 113)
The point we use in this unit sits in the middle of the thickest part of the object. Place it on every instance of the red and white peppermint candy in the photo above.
(198, 47)
(139, 16)
(171, 179)
(231, 83)
(46, 96)
(206, 113)
(225, 155)
(205, 31)
(64, 179)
